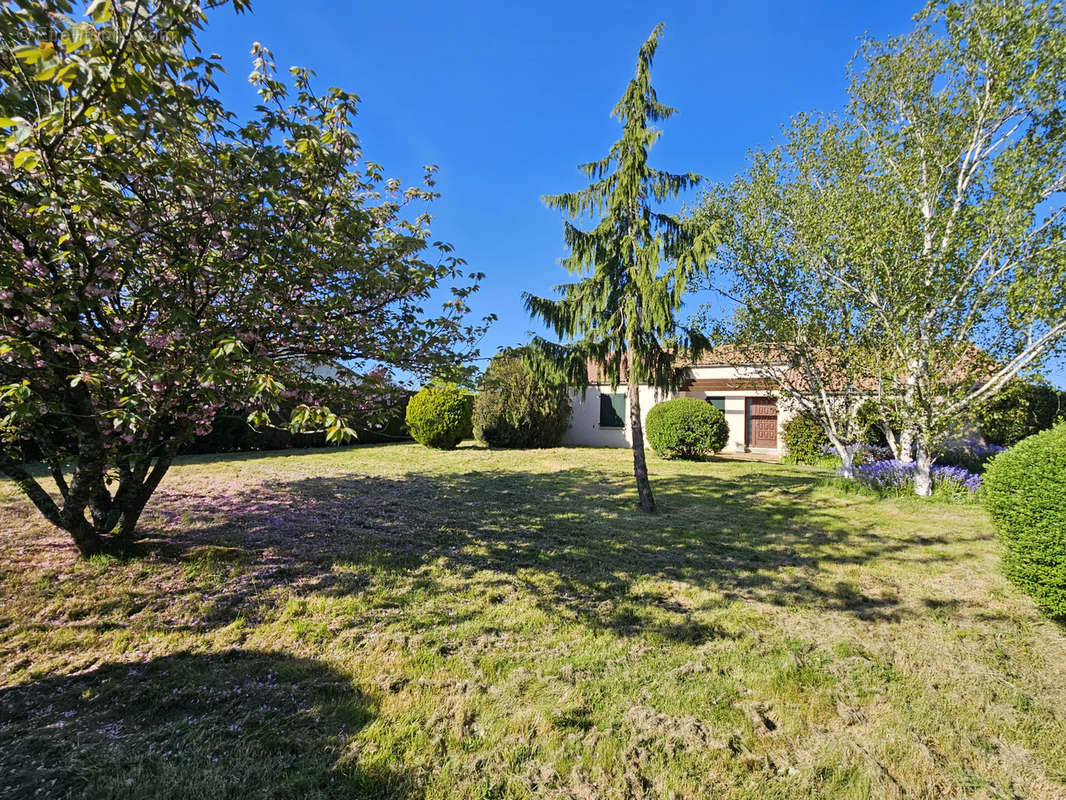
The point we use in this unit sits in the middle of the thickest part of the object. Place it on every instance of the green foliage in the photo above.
(871, 421)
(440, 416)
(468, 429)
(780, 261)
(231, 433)
(805, 439)
(621, 311)
(1025, 493)
(1020, 410)
(910, 245)
(515, 408)
(970, 456)
(686, 427)
(162, 258)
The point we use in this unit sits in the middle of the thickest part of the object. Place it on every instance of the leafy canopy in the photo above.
(961, 125)
(783, 266)
(161, 259)
(911, 248)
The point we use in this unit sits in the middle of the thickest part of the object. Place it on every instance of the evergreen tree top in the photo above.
(622, 307)
(624, 175)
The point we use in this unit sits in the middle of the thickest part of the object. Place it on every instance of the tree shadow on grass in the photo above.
(574, 537)
(228, 725)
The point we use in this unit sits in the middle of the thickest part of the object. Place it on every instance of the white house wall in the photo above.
(585, 417)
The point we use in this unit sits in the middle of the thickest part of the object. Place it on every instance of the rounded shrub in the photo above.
(686, 428)
(1019, 410)
(514, 408)
(805, 439)
(1025, 493)
(440, 416)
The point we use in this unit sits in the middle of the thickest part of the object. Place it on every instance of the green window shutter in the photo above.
(619, 403)
(717, 402)
(612, 410)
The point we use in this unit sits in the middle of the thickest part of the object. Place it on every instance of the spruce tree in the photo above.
(620, 312)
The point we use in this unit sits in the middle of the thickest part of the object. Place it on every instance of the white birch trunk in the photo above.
(847, 457)
(906, 445)
(923, 480)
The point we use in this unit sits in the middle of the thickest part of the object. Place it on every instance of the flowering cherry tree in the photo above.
(160, 259)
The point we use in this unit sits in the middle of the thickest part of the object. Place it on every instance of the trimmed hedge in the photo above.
(514, 408)
(231, 433)
(805, 439)
(686, 428)
(1025, 494)
(440, 416)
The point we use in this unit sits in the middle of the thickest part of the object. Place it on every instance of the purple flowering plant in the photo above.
(891, 476)
(959, 475)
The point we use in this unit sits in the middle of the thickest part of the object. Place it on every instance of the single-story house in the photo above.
(749, 399)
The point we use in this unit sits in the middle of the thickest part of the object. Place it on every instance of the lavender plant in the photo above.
(891, 476)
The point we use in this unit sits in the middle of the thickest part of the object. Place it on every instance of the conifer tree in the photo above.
(620, 312)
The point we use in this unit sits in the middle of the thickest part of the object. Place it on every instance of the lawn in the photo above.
(387, 621)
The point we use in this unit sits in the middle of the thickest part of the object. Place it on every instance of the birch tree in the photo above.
(963, 125)
(620, 313)
(785, 267)
(939, 228)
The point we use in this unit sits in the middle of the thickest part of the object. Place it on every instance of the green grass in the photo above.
(389, 621)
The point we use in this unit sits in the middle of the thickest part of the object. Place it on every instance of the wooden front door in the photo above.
(762, 422)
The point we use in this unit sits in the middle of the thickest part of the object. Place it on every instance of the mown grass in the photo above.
(387, 621)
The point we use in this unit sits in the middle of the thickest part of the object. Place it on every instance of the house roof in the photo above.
(723, 356)
(970, 359)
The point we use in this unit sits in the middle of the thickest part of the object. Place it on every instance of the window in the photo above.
(612, 410)
(717, 402)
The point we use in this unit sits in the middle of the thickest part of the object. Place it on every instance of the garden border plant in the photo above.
(805, 440)
(440, 416)
(1025, 494)
(687, 428)
(514, 407)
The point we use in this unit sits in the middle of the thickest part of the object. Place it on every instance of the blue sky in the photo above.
(507, 98)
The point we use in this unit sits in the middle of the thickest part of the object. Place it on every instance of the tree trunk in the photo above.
(906, 445)
(891, 439)
(68, 518)
(636, 430)
(847, 462)
(923, 480)
(87, 492)
(847, 457)
(127, 524)
(86, 538)
(910, 413)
